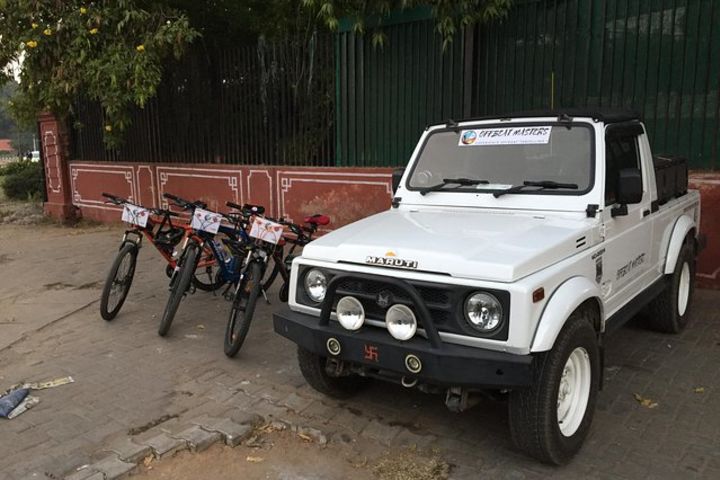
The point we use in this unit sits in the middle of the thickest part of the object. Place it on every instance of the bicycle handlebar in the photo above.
(114, 198)
(184, 204)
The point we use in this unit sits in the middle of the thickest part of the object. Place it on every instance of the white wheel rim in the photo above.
(683, 289)
(574, 391)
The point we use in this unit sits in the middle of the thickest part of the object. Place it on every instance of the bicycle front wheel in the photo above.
(179, 285)
(243, 309)
(118, 282)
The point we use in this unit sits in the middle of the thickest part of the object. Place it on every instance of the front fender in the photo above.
(683, 225)
(563, 302)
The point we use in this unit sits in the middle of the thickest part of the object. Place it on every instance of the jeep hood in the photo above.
(476, 244)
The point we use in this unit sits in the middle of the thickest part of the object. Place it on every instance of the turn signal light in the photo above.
(538, 294)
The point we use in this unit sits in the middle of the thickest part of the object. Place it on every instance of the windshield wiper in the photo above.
(543, 184)
(460, 182)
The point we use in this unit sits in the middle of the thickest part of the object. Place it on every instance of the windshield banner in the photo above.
(505, 136)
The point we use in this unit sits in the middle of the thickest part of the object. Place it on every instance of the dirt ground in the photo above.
(284, 455)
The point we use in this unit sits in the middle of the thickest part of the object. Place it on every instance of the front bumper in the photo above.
(447, 365)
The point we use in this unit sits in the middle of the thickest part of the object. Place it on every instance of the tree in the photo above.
(20, 138)
(450, 15)
(111, 51)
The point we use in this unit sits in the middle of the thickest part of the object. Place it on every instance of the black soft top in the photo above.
(604, 115)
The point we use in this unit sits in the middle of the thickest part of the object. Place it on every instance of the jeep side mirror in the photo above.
(629, 186)
(629, 190)
(396, 177)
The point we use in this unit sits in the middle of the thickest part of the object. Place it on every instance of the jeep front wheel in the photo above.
(314, 369)
(550, 419)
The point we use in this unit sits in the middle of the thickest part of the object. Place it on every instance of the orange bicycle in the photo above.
(156, 225)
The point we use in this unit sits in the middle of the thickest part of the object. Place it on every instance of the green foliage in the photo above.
(109, 50)
(22, 180)
(450, 15)
(21, 138)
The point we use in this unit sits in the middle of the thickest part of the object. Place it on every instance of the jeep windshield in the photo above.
(501, 157)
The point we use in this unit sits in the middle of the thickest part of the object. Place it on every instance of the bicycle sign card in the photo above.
(135, 215)
(266, 230)
(206, 220)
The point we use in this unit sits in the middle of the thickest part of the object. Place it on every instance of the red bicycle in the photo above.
(156, 225)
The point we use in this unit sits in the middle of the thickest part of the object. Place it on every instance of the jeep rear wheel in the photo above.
(550, 419)
(669, 312)
(314, 369)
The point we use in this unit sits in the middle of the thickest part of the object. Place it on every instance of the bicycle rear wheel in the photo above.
(118, 282)
(209, 277)
(179, 285)
(243, 309)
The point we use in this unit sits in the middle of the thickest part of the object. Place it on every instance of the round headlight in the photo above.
(350, 313)
(316, 285)
(483, 312)
(401, 322)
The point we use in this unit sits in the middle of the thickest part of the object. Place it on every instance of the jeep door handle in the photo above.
(646, 213)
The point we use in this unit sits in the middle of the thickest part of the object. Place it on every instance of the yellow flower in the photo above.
(34, 25)
(93, 31)
(140, 48)
(31, 43)
(83, 10)
(108, 128)
(47, 32)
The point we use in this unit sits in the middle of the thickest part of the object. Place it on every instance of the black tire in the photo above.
(116, 289)
(533, 411)
(179, 286)
(271, 275)
(208, 278)
(313, 368)
(664, 312)
(243, 308)
(284, 292)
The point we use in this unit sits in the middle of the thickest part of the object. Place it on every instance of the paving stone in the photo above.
(233, 433)
(86, 474)
(313, 434)
(198, 439)
(296, 403)
(164, 445)
(129, 451)
(381, 432)
(243, 417)
(113, 468)
(408, 438)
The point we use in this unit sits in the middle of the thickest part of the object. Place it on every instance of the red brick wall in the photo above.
(708, 264)
(346, 194)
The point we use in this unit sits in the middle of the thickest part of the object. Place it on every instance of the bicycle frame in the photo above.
(138, 233)
(229, 270)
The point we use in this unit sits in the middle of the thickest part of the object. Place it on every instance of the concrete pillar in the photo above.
(55, 150)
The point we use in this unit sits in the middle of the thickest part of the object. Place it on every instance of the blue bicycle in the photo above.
(203, 240)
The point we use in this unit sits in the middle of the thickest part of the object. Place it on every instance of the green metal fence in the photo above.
(659, 57)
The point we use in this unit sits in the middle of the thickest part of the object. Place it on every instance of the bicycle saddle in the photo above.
(317, 219)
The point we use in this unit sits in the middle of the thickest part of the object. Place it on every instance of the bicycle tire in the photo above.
(216, 279)
(239, 320)
(268, 279)
(128, 250)
(179, 287)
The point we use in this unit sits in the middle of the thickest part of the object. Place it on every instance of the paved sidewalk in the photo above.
(131, 382)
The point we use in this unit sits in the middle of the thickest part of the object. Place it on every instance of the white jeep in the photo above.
(513, 246)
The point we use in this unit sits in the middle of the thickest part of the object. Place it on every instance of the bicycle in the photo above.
(302, 235)
(250, 286)
(162, 234)
(205, 226)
